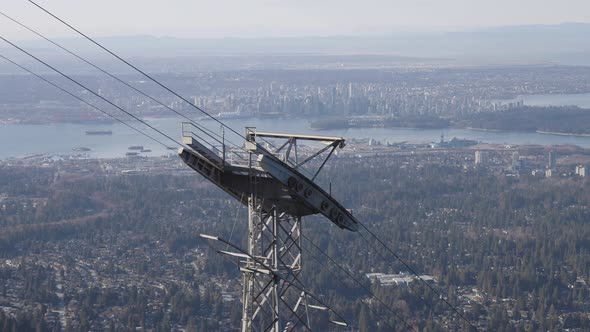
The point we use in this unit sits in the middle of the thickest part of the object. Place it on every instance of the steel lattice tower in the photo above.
(270, 182)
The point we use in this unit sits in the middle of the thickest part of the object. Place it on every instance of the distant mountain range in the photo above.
(567, 43)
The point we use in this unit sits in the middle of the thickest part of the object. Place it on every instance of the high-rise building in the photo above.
(551, 159)
(516, 164)
(581, 170)
(480, 158)
(273, 87)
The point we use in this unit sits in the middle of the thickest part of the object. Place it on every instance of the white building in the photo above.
(581, 170)
(400, 280)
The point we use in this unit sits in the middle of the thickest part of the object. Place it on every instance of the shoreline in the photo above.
(484, 129)
(561, 134)
(536, 131)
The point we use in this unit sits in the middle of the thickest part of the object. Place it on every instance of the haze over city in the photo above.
(376, 165)
(279, 18)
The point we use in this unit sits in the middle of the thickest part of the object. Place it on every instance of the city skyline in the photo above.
(201, 129)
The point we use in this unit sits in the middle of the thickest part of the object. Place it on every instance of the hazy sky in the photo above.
(249, 18)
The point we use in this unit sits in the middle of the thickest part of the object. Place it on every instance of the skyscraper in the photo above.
(516, 164)
(582, 171)
(551, 160)
(480, 158)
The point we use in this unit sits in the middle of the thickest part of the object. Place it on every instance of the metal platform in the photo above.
(269, 181)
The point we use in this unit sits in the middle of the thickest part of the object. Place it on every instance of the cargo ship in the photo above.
(99, 132)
